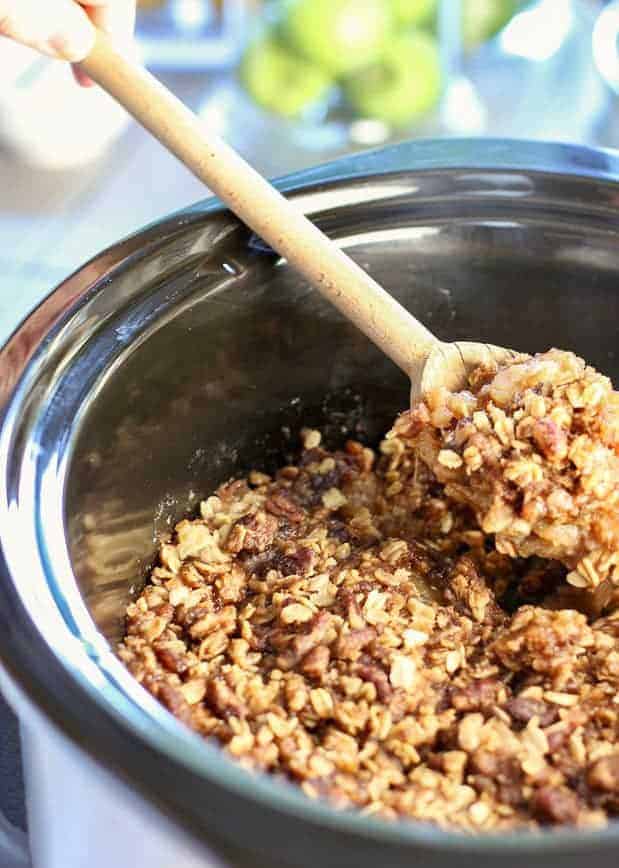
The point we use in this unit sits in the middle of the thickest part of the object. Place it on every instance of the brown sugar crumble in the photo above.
(395, 631)
(533, 449)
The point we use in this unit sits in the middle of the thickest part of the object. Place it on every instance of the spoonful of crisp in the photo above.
(428, 362)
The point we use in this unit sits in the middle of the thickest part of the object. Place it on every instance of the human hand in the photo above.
(64, 28)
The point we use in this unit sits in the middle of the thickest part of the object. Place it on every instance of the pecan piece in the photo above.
(478, 695)
(378, 677)
(175, 702)
(522, 709)
(298, 562)
(550, 439)
(232, 489)
(223, 700)
(350, 644)
(304, 643)
(351, 608)
(604, 774)
(281, 506)
(171, 660)
(316, 663)
(189, 617)
(252, 533)
(555, 805)
(499, 776)
(224, 620)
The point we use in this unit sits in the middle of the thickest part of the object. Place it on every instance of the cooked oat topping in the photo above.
(346, 624)
(533, 448)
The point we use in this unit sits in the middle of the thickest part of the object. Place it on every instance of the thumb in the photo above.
(59, 28)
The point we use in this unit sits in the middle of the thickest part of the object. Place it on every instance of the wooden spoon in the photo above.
(428, 362)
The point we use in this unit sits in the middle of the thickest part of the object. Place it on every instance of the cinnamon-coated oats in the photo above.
(533, 449)
(347, 625)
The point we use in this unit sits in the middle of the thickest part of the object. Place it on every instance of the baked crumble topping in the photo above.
(533, 449)
(430, 631)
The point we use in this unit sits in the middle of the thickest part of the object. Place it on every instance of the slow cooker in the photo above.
(187, 354)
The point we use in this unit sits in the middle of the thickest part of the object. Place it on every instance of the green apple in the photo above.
(281, 81)
(404, 86)
(414, 12)
(481, 19)
(338, 35)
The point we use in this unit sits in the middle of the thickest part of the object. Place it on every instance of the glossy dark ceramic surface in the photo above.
(187, 354)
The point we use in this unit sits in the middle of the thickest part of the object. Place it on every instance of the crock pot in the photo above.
(187, 354)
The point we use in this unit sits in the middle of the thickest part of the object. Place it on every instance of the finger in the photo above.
(81, 78)
(59, 28)
(115, 17)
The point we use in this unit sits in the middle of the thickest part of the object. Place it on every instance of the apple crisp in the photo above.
(408, 632)
(533, 449)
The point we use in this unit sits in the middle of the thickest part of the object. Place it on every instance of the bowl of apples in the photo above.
(376, 67)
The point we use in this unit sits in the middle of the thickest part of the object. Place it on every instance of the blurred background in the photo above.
(290, 83)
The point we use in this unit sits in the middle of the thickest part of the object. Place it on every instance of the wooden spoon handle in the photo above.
(260, 206)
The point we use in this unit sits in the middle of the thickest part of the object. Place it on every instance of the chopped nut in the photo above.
(213, 645)
(481, 421)
(604, 774)
(374, 608)
(472, 458)
(334, 499)
(393, 551)
(296, 613)
(315, 664)
(224, 700)
(311, 438)
(257, 478)
(280, 505)
(322, 702)
(533, 764)
(352, 642)
(556, 805)
(378, 677)
(566, 700)
(194, 691)
(449, 458)
(403, 672)
(172, 660)
(522, 709)
(281, 727)
(413, 638)
(175, 702)
(479, 813)
(453, 662)
(469, 732)
(254, 533)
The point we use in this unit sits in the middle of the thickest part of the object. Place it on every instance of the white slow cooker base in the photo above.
(79, 814)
